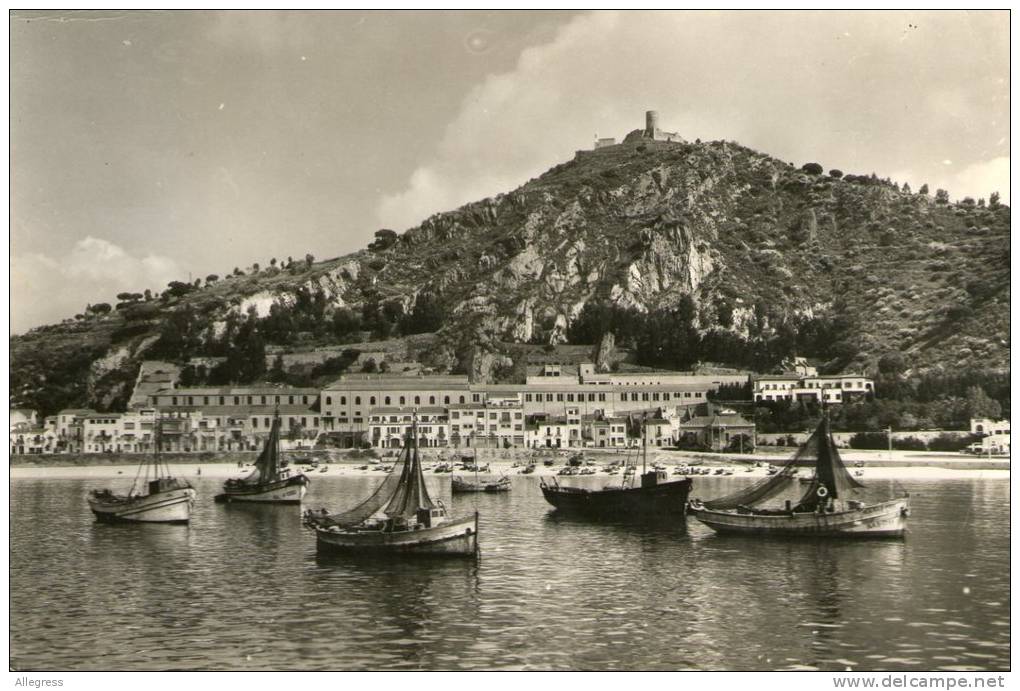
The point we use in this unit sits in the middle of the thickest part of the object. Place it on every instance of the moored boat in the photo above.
(655, 497)
(271, 482)
(826, 508)
(398, 518)
(165, 499)
(461, 485)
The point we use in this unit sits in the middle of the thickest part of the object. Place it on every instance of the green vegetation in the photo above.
(704, 252)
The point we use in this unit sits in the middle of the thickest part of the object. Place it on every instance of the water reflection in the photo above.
(243, 588)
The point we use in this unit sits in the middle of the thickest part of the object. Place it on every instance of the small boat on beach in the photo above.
(826, 508)
(157, 498)
(459, 485)
(272, 482)
(398, 518)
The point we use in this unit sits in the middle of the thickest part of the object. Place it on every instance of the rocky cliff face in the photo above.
(748, 238)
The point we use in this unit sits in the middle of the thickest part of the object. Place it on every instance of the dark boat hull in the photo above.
(668, 499)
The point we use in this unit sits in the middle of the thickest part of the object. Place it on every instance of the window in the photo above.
(254, 423)
(329, 400)
(655, 396)
(277, 400)
(343, 400)
(386, 400)
(446, 400)
(602, 397)
(527, 397)
(237, 400)
(175, 400)
(263, 400)
(591, 397)
(476, 397)
(623, 397)
(250, 399)
(357, 400)
(644, 396)
(432, 400)
(371, 400)
(461, 400)
(304, 399)
(570, 397)
(403, 401)
(290, 399)
(417, 400)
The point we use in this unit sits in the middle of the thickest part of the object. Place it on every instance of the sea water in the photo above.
(242, 588)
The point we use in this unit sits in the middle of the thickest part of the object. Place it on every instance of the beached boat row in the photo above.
(400, 517)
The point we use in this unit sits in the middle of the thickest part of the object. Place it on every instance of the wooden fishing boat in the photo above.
(398, 518)
(272, 482)
(165, 499)
(656, 496)
(459, 485)
(826, 508)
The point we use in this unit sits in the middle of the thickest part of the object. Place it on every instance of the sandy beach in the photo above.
(876, 464)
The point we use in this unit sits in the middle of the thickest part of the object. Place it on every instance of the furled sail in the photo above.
(411, 494)
(268, 463)
(830, 472)
(819, 453)
(379, 498)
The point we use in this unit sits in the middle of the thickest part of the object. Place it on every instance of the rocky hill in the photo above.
(737, 257)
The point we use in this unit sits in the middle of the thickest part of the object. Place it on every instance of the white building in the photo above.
(986, 426)
(390, 427)
(792, 386)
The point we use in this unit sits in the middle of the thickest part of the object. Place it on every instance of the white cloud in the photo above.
(844, 89)
(94, 270)
(981, 179)
(977, 180)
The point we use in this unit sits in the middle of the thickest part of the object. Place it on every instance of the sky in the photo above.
(153, 146)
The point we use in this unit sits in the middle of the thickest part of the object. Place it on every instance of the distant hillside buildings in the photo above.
(560, 405)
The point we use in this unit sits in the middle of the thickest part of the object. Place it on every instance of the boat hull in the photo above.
(455, 539)
(459, 486)
(289, 491)
(887, 519)
(668, 499)
(172, 506)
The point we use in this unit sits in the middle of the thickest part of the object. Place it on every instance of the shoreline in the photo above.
(876, 465)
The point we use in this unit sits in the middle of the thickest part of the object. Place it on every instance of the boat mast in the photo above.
(644, 442)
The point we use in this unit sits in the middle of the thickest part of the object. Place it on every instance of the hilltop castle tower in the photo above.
(651, 123)
(652, 130)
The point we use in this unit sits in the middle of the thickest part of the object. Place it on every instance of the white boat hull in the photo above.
(887, 519)
(172, 506)
(289, 490)
(290, 494)
(455, 538)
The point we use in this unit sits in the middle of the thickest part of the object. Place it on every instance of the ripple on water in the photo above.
(241, 588)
